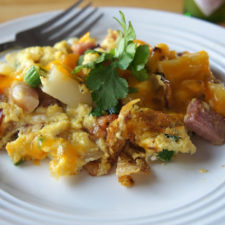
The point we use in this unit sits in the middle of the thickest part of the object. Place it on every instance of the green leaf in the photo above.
(112, 52)
(140, 75)
(19, 162)
(97, 111)
(132, 90)
(96, 78)
(125, 49)
(40, 141)
(125, 61)
(103, 56)
(103, 79)
(79, 68)
(127, 56)
(115, 110)
(80, 60)
(141, 57)
(119, 50)
(130, 34)
(32, 76)
(174, 137)
(165, 155)
(106, 85)
(122, 22)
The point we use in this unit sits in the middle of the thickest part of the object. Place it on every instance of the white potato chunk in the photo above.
(6, 68)
(64, 88)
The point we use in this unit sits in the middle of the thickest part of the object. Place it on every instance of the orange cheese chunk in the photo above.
(5, 82)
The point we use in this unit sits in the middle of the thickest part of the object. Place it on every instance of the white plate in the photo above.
(176, 193)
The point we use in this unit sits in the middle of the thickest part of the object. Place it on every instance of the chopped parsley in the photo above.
(165, 155)
(132, 90)
(96, 111)
(40, 141)
(19, 162)
(174, 137)
(103, 80)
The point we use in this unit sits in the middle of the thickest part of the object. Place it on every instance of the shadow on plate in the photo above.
(204, 153)
(143, 180)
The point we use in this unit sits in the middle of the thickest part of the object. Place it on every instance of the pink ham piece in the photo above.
(80, 48)
(205, 122)
(1, 116)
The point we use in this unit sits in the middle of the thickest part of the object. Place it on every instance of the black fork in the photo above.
(70, 21)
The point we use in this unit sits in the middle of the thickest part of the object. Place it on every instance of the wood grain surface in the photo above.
(11, 9)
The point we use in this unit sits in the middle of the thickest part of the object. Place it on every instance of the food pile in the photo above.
(91, 106)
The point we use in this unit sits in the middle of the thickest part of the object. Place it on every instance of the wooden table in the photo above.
(11, 9)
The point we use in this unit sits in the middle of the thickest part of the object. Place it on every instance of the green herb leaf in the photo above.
(125, 49)
(115, 110)
(120, 47)
(127, 57)
(97, 111)
(174, 137)
(103, 79)
(141, 75)
(130, 34)
(32, 76)
(122, 22)
(103, 56)
(40, 141)
(106, 85)
(165, 155)
(19, 162)
(80, 60)
(80, 67)
(132, 90)
(141, 57)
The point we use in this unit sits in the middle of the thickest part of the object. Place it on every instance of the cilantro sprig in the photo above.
(165, 155)
(103, 79)
(106, 85)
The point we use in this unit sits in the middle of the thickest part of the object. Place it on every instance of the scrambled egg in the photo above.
(54, 133)
(64, 130)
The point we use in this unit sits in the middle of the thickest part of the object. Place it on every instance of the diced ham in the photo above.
(205, 122)
(80, 48)
(24, 96)
(1, 115)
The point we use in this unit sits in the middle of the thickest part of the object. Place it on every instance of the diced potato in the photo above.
(216, 97)
(64, 88)
(188, 76)
(187, 67)
(6, 68)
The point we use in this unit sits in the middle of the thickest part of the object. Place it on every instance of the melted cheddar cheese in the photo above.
(64, 131)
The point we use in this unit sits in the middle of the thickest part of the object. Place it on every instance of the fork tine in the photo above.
(71, 29)
(59, 16)
(87, 28)
(61, 26)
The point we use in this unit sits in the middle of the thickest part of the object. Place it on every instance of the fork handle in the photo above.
(7, 45)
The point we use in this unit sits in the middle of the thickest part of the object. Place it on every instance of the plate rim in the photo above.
(18, 20)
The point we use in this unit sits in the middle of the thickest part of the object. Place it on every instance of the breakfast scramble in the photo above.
(91, 106)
